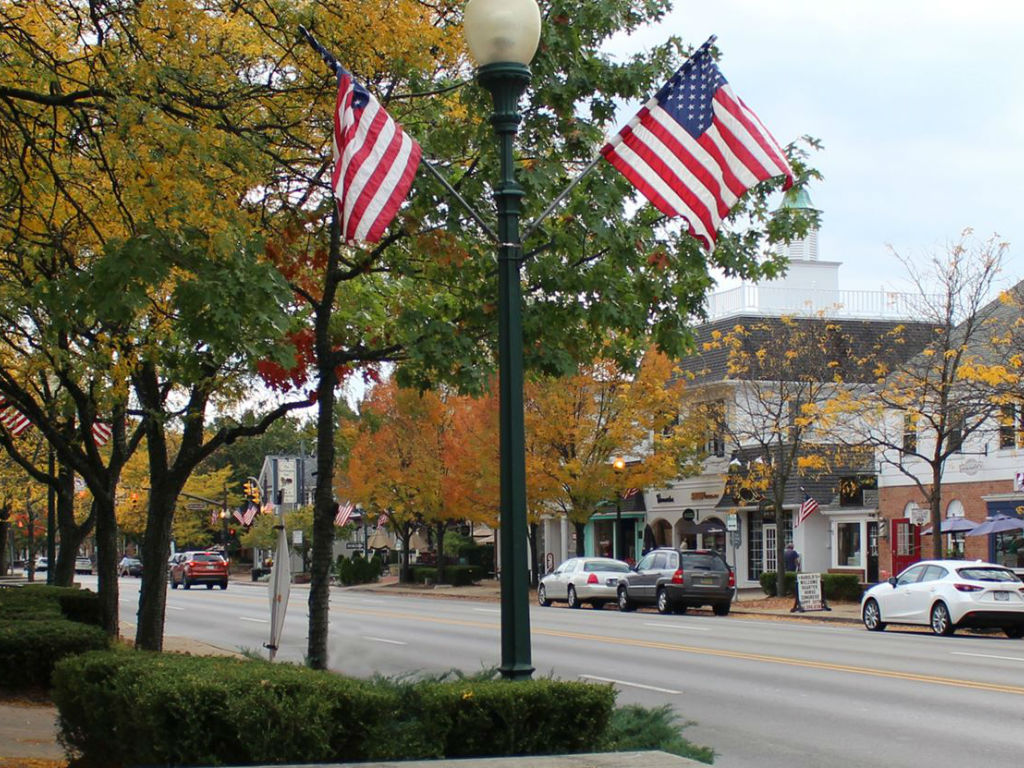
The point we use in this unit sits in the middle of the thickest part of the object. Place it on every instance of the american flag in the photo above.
(12, 419)
(250, 514)
(344, 513)
(239, 517)
(695, 148)
(630, 492)
(808, 508)
(101, 433)
(374, 162)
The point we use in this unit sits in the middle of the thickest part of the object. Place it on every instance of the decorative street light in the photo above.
(502, 36)
(619, 465)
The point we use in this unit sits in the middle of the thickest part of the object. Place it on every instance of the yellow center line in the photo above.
(702, 651)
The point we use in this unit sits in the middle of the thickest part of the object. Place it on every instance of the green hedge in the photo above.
(357, 569)
(456, 575)
(836, 586)
(29, 648)
(132, 707)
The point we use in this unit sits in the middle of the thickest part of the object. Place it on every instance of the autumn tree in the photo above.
(923, 410)
(577, 425)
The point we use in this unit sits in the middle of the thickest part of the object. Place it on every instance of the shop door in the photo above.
(872, 553)
(770, 555)
(906, 544)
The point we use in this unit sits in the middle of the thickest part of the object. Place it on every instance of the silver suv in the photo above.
(677, 579)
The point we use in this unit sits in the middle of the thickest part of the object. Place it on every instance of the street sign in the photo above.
(195, 506)
(732, 522)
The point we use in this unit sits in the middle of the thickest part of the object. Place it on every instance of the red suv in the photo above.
(207, 568)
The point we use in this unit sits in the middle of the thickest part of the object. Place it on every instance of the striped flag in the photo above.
(807, 508)
(374, 162)
(630, 492)
(101, 433)
(695, 148)
(13, 420)
(250, 514)
(344, 513)
(239, 516)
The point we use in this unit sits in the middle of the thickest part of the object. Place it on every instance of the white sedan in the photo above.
(581, 580)
(947, 595)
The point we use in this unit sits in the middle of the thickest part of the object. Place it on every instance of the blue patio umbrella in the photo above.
(952, 525)
(998, 524)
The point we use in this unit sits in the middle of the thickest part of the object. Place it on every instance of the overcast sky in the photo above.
(920, 106)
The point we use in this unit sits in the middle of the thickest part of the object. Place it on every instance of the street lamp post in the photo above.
(618, 465)
(502, 36)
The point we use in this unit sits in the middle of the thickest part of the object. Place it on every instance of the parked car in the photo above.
(129, 566)
(83, 565)
(41, 564)
(207, 568)
(579, 580)
(677, 579)
(947, 595)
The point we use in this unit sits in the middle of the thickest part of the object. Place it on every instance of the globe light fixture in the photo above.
(502, 36)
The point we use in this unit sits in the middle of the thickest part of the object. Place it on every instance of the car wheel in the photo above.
(571, 598)
(664, 605)
(185, 583)
(597, 604)
(625, 604)
(941, 624)
(1014, 632)
(224, 584)
(209, 586)
(721, 609)
(542, 596)
(872, 616)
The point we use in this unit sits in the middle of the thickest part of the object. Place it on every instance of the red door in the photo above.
(906, 544)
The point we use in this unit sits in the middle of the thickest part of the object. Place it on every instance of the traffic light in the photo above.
(252, 491)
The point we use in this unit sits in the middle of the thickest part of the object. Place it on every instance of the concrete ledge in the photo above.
(648, 759)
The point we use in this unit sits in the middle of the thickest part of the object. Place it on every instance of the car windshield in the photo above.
(693, 561)
(987, 574)
(613, 566)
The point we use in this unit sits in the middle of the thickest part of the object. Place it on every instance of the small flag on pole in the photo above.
(695, 148)
(629, 492)
(101, 433)
(344, 513)
(807, 508)
(374, 162)
(12, 419)
(250, 514)
(239, 517)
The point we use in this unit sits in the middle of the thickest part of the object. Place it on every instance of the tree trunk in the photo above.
(156, 548)
(70, 533)
(780, 552)
(439, 535)
(580, 548)
(534, 556)
(404, 574)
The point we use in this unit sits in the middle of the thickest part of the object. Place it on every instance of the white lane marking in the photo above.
(175, 608)
(986, 656)
(631, 685)
(384, 640)
(660, 625)
(255, 621)
(487, 610)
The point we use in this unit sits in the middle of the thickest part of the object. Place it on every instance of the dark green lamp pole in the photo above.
(503, 36)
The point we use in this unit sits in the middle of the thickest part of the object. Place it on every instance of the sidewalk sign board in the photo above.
(809, 591)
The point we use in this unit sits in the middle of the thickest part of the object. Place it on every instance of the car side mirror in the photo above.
(892, 581)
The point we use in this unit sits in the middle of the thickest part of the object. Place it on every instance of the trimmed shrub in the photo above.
(357, 569)
(462, 575)
(634, 727)
(30, 648)
(835, 586)
(421, 574)
(134, 707)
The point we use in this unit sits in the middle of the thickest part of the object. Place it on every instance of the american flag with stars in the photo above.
(807, 508)
(695, 148)
(374, 162)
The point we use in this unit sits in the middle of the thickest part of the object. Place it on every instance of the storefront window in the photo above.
(1010, 549)
(848, 545)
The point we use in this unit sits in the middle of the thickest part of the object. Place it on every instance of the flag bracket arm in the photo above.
(491, 234)
(532, 226)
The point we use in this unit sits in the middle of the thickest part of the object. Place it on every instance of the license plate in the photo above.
(611, 582)
(1001, 595)
(707, 580)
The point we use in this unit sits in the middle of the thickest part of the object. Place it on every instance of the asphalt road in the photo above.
(764, 693)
